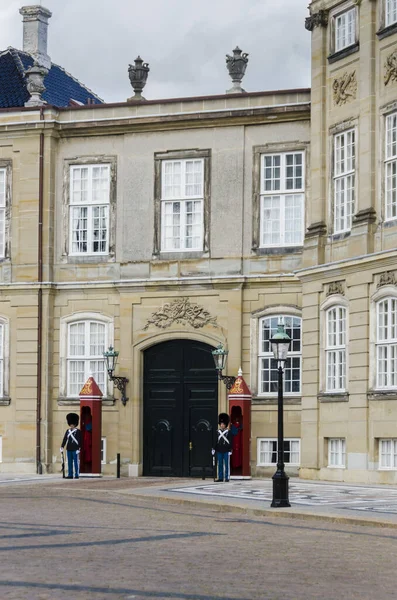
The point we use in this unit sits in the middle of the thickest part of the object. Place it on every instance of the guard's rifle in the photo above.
(63, 465)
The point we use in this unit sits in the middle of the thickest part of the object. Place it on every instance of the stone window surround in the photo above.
(343, 450)
(386, 291)
(384, 112)
(384, 31)
(5, 399)
(63, 352)
(256, 316)
(336, 12)
(159, 157)
(334, 130)
(81, 161)
(324, 395)
(275, 148)
(7, 165)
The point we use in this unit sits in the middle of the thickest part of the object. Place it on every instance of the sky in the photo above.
(184, 42)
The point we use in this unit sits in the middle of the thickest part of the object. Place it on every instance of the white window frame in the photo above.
(280, 195)
(342, 22)
(390, 12)
(184, 199)
(3, 211)
(388, 454)
(268, 356)
(91, 205)
(64, 347)
(1, 448)
(4, 358)
(344, 180)
(103, 450)
(391, 167)
(337, 451)
(335, 348)
(292, 441)
(386, 343)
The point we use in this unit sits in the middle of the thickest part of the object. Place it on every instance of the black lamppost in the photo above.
(280, 345)
(111, 356)
(220, 355)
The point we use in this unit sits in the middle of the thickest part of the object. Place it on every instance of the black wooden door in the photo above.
(180, 409)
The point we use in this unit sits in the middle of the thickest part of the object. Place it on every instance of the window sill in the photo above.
(382, 395)
(181, 255)
(389, 223)
(336, 467)
(273, 401)
(278, 250)
(274, 465)
(62, 401)
(89, 259)
(386, 31)
(338, 237)
(333, 397)
(343, 53)
(5, 401)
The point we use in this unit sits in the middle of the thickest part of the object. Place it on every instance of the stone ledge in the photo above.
(382, 395)
(386, 31)
(5, 401)
(329, 397)
(257, 400)
(76, 402)
(343, 53)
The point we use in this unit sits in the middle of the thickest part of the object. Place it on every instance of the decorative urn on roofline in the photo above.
(35, 84)
(236, 65)
(138, 76)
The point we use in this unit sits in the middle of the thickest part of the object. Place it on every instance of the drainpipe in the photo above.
(39, 465)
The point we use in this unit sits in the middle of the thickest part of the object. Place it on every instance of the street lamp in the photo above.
(220, 355)
(111, 357)
(280, 345)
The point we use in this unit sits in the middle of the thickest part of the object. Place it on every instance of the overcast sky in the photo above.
(184, 42)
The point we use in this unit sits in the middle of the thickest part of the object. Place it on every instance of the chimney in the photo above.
(35, 25)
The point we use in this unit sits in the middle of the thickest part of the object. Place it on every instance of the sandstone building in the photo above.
(164, 228)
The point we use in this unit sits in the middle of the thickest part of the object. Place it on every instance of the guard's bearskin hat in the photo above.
(224, 418)
(73, 419)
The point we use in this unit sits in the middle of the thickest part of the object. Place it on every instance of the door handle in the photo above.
(190, 446)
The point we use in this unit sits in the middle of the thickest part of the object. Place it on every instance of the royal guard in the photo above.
(223, 448)
(72, 441)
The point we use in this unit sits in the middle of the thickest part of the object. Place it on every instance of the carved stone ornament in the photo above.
(35, 84)
(336, 287)
(345, 88)
(236, 66)
(387, 278)
(181, 311)
(391, 68)
(138, 74)
(319, 19)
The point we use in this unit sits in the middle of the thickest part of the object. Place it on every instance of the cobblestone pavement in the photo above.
(94, 540)
(366, 499)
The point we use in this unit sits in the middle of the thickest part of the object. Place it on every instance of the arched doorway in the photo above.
(180, 409)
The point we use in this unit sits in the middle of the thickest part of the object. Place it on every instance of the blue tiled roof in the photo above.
(61, 87)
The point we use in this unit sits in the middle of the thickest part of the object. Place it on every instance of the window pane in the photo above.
(272, 172)
(268, 373)
(194, 178)
(391, 12)
(271, 221)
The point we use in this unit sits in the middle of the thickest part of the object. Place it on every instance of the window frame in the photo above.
(65, 323)
(103, 450)
(389, 23)
(385, 343)
(341, 453)
(5, 209)
(352, 45)
(282, 193)
(160, 158)
(337, 349)
(67, 253)
(341, 15)
(269, 355)
(292, 440)
(393, 454)
(390, 160)
(343, 176)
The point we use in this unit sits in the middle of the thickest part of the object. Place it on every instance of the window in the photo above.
(336, 452)
(182, 205)
(89, 209)
(87, 341)
(267, 452)
(388, 454)
(335, 349)
(103, 451)
(344, 180)
(1, 448)
(282, 199)
(390, 12)
(386, 344)
(3, 194)
(391, 167)
(268, 373)
(345, 29)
